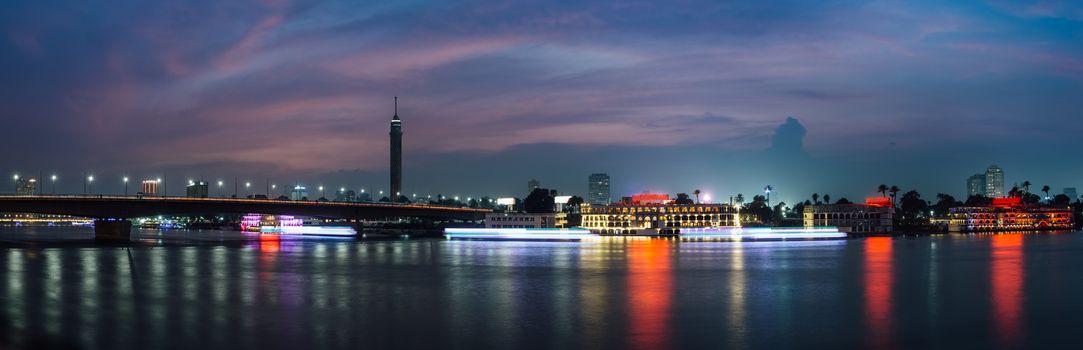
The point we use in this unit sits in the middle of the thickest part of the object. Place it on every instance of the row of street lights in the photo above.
(88, 183)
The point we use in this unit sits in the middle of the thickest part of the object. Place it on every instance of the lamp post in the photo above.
(54, 183)
(322, 196)
(247, 186)
(219, 188)
(15, 184)
(90, 183)
(125, 186)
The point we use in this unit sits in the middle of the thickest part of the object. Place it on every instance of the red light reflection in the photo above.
(650, 289)
(270, 243)
(878, 288)
(1007, 281)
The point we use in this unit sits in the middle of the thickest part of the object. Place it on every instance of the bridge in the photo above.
(112, 214)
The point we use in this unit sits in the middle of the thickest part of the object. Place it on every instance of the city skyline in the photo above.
(737, 95)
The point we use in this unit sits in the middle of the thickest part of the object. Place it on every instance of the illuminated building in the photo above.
(298, 193)
(655, 214)
(1009, 214)
(26, 186)
(41, 219)
(396, 154)
(875, 216)
(525, 220)
(994, 182)
(598, 189)
(197, 189)
(150, 187)
(975, 185)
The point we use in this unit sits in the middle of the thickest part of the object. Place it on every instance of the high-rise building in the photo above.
(532, 184)
(299, 193)
(150, 187)
(396, 153)
(598, 189)
(975, 185)
(1071, 193)
(26, 186)
(994, 182)
(197, 189)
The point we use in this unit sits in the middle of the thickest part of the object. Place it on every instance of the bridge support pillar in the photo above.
(112, 230)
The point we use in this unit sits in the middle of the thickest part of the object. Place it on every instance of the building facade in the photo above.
(526, 220)
(875, 216)
(644, 218)
(26, 186)
(1009, 214)
(299, 193)
(396, 154)
(975, 185)
(197, 189)
(994, 182)
(598, 189)
(150, 187)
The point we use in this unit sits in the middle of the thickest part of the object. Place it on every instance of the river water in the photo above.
(186, 289)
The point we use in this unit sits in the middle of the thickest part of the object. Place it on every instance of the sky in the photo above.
(668, 96)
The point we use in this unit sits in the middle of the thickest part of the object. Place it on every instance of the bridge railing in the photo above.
(243, 200)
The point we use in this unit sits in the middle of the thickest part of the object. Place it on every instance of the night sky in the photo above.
(809, 96)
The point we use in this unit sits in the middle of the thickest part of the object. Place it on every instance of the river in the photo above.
(190, 289)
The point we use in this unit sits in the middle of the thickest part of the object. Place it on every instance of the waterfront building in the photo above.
(526, 220)
(26, 186)
(396, 154)
(197, 189)
(975, 185)
(598, 189)
(1071, 193)
(1009, 214)
(150, 187)
(875, 216)
(299, 193)
(994, 182)
(655, 214)
(41, 219)
(532, 185)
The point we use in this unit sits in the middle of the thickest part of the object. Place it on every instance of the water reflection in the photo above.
(288, 293)
(1007, 287)
(878, 290)
(650, 289)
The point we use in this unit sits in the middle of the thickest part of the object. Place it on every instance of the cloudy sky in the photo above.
(727, 96)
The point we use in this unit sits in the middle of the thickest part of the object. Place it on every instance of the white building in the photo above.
(526, 220)
(875, 216)
(994, 182)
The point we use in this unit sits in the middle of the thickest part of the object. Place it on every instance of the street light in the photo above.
(322, 196)
(15, 184)
(125, 186)
(219, 188)
(247, 185)
(54, 184)
(90, 183)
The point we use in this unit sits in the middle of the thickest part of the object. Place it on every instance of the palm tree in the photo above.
(827, 199)
(696, 192)
(740, 199)
(1026, 187)
(882, 189)
(894, 192)
(1046, 190)
(816, 198)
